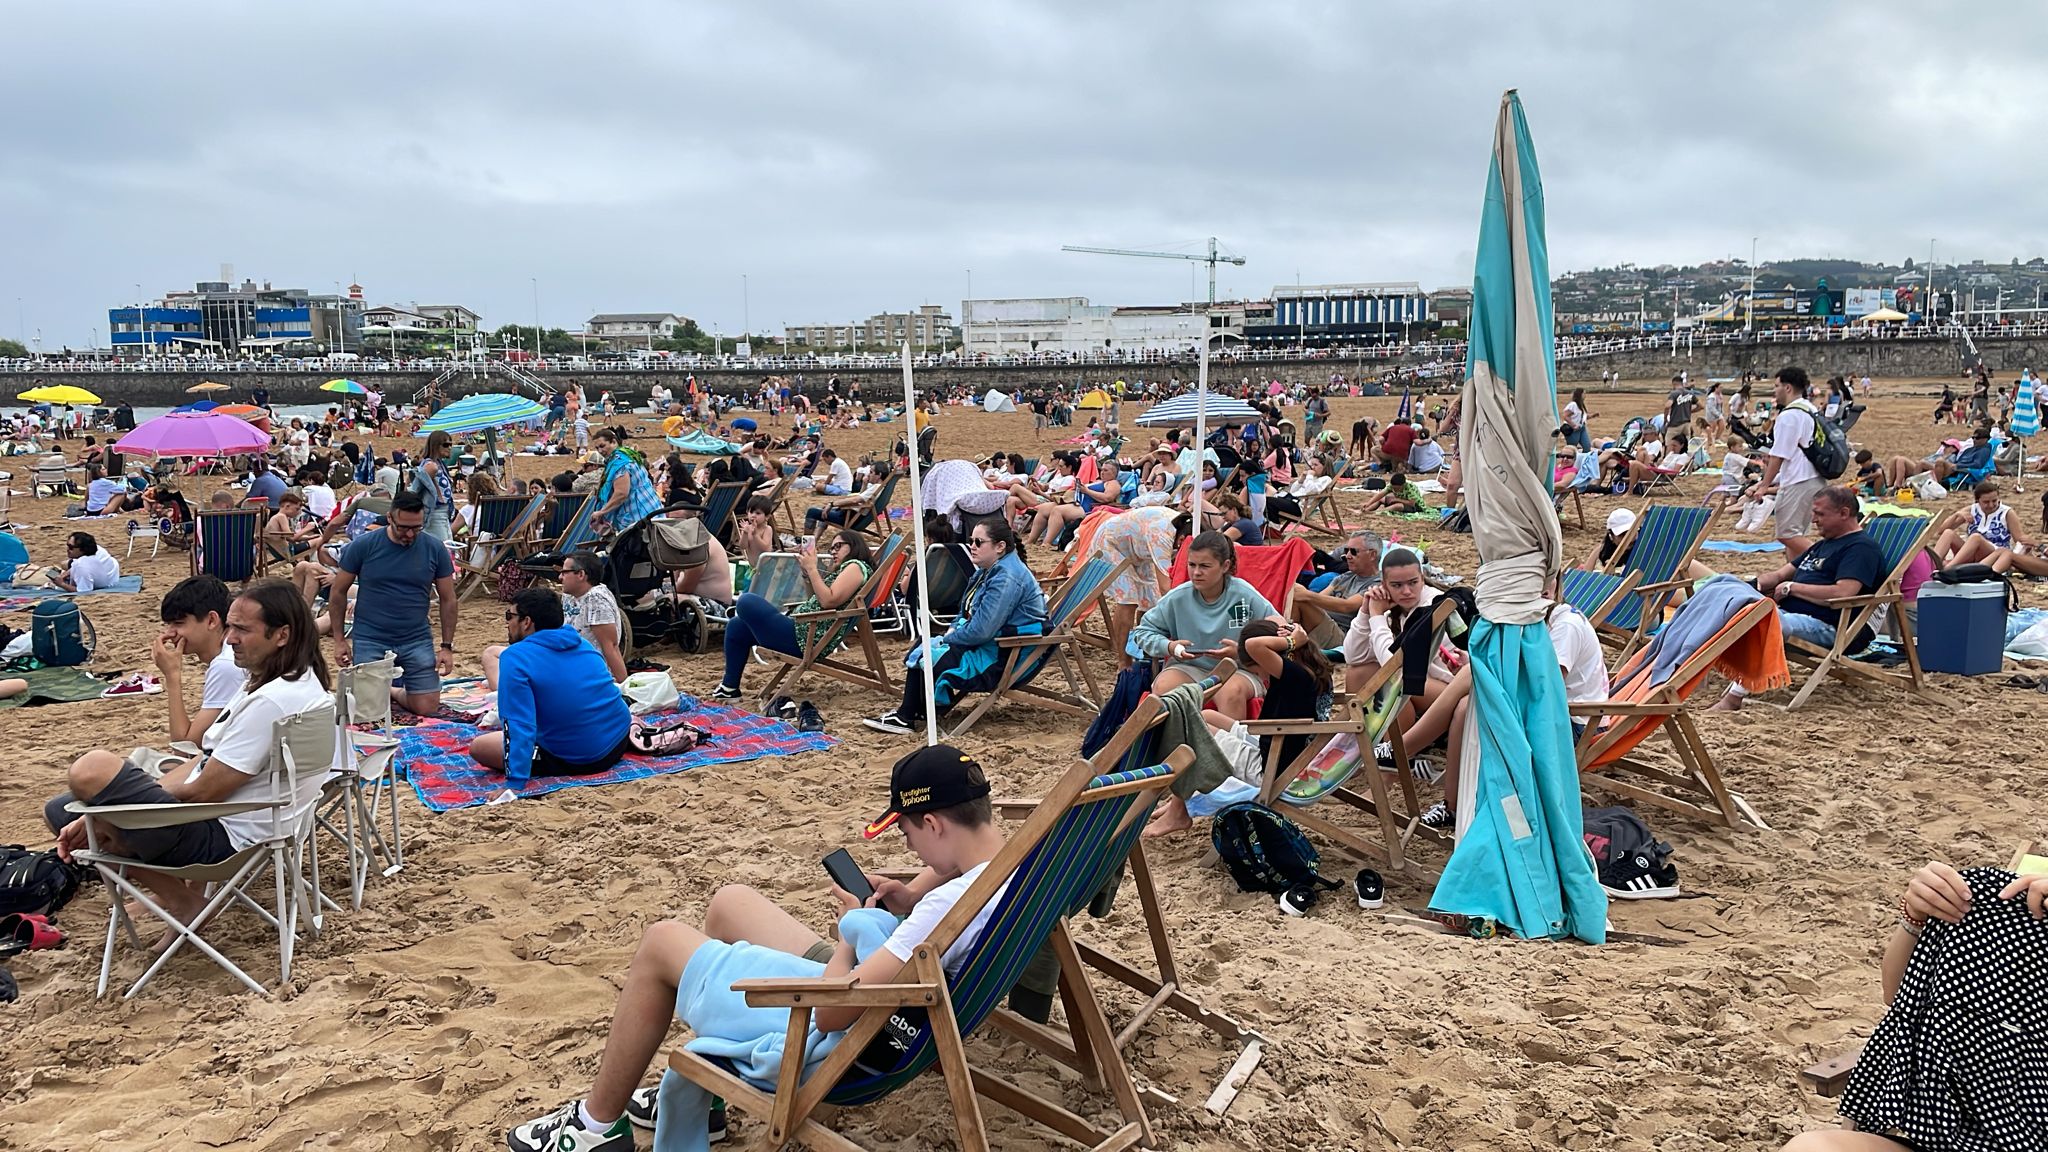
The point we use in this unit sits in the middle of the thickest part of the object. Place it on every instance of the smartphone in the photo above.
(845, 873)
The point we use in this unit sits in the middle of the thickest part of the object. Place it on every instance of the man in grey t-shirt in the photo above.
(1327, 615)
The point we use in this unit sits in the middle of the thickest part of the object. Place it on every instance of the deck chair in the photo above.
(1659, 549)
(496, 514)
(576, 532)
(720, 504)
(303, 748)
(1901, 538)
(228, 544)
(350, 800)
(870, 519)
(856, 616)
(1322, 512)
(1026, 656)
(1601, 595)
(1340, 748)
(949, 569)
(778, 579)
(1136, 744)
(513, 541)
(55, 475)
(566, 510)
(1074, 840)
(1637, 709)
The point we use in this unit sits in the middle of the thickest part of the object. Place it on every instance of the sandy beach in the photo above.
(473, 990)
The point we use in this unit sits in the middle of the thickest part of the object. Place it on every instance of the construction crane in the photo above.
(1212, 259)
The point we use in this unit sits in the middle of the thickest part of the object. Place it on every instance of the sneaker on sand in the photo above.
(1638, 877)
(1438, 816)
(809, 719)
(1425, 770)
(889, 722)
(782, 708)
(641, 1109)
(562, 1131)
(723, 693)
(1371, 889)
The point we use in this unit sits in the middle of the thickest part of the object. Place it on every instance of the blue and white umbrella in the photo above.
(483, 412)
(1188, 406)
(1520, 859)
(2026, 409)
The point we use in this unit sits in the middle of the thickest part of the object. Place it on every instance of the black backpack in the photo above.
(1264, 851)
(36, 881)
(1828, 451)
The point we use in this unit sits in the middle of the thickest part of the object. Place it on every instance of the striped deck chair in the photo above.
(1077, 836)
(576, 532)
(778, 579)
(870, 520)
(1637, 709)
(565, 511)
(719, 505)
(1901, 538)
(1337, 750)
(494, 514)
(949, 569)
(855, 617)
(513, 541)
(228, 544)
(1596, 594)
(1659, 549)
(1028, 655)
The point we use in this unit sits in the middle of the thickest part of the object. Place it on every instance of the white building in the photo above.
(1069, 324)
(419, 318)
(620, 329)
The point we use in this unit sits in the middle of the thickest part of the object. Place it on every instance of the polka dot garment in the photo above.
(1960, 1061)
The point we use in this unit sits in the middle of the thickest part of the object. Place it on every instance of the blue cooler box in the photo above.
(1962, 627)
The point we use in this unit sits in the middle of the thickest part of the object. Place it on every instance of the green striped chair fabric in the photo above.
(225, 543)
(1665, 540)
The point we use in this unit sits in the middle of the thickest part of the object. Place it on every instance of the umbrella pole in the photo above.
(924, 606)
(1201, 428)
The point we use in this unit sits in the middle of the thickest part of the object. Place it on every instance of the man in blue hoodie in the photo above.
(578, 726)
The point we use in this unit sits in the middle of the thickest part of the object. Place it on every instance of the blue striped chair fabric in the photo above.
(778, 578)
(1666, 537)
(226, 544)
(494, 514)
(1589, 591)
(720, 504)
(568, 506)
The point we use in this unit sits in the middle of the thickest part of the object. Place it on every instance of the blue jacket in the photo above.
(1003, 599)
(554, 689)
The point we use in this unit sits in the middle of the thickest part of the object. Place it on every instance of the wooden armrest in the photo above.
(137, 816)
(1861, 601)
(833, 992)
(1828, 1077)
(1015, 808)
(1662, 586)
(1613, 708)
(1297, 727)
(1033, 641)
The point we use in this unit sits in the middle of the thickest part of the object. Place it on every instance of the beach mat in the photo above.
(17, 598)
(60, 685)
(1741, 546)
(436, 756)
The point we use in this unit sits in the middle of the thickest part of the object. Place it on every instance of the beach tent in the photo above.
(1095, 399)
(997, 402)
(1520, 858)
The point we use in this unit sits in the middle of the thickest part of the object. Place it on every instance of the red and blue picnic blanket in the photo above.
(435, 757)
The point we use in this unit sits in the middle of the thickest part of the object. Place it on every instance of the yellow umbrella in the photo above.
(207, 386)
(59, 394)
(1883, 316)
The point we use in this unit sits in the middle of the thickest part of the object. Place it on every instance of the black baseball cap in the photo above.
(929, 780)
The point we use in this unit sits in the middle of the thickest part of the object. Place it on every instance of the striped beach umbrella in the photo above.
(1211, 407)
(1519, 858)
(486, 410)
(2026, 409)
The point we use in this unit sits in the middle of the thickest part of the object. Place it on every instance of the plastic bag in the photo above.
(650, 692)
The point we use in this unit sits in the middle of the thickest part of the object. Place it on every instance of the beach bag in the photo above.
(509, 581)
(1264, 851)
(650, 692)
(33, 882)
(673, 544)
(61, 634)
(1980, 574)
(1828, 451)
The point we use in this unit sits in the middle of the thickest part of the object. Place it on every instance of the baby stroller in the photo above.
(638, 578)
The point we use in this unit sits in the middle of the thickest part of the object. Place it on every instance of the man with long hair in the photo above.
(271, 631)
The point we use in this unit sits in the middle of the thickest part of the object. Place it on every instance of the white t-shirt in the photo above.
(917, 927)
(320, 500)
(1790, 432)
(241, 737)
(597, 606)
(1578, 653)
(98, 570)
(841, 475)
(224, 678)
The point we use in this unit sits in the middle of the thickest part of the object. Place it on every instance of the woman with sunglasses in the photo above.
(757, 621)
(1002, 599)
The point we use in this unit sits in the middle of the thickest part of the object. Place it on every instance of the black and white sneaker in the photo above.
(1438, 816)
(889, 722)
(809, 719)
(641, 1110)
(1371, 889)
(1425, 770)
(782, 708)
(1298, 900)
(562, 1131)
(1638, 877)
(1384, 753)
(723, 693)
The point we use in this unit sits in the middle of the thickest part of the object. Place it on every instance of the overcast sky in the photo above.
(850, 158)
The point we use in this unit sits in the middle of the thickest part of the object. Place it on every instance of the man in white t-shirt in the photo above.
(839, 476)
(590, 608)
(1788, 474)
(195, 614)
(271, 632)
(88, 567)
(938, 798)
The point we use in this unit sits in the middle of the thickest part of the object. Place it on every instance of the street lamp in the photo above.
(1749, 317)
(536, 317)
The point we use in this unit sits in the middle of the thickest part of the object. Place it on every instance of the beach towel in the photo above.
(436, 756)
(56, 686)
(16, 595)
(1757, 661)
(1270, 568)
(1184, 725)
(1741, 546)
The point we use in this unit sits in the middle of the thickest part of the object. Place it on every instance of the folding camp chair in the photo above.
(1339, 749)
(1638, 707)
(1136, 744)
(1026, 656)
(1069, 847)
(833, 624)
(1659, 549)
(1901, 538)
(355, 793)
(513, 541)
(302, 748)
(228, 544)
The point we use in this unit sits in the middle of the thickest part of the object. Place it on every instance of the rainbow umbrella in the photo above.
(348, 386)
(194, 434)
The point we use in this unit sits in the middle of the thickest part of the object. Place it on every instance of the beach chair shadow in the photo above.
(1073, 841)
(1900, 538)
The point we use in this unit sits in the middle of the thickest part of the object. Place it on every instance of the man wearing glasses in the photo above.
(1327, 614)
(398, 571)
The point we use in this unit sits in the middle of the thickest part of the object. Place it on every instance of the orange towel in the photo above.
(1757, 661)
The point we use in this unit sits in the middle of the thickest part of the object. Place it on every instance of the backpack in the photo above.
(36, 881)
(61, 633)
(1264, 851)
(1828, 451)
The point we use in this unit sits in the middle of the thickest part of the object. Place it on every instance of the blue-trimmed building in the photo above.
(1342, 314)
(219, 317)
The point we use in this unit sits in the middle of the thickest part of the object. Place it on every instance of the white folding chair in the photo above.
(139, 530)
(302, 748)
(362, 695)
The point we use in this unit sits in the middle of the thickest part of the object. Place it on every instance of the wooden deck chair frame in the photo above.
(496, 514)
(1397, 827)
(301, 744)
(1136, 743)
(1823, 663)
(514, 543)
(1088, 1049)
(1025, 657)
(854, 615)
(204, 562)
(871, 519)
(565, 511)
(1607, 751)
(1656, 586)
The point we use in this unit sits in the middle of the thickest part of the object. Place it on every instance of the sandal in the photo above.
(28, 932)
(670, 739)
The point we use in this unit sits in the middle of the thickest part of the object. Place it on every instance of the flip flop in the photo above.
(28, 932)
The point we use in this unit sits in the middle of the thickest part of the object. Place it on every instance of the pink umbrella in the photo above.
(194, 434)
(1275, 388)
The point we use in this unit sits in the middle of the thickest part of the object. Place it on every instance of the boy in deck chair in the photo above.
(938, 799)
